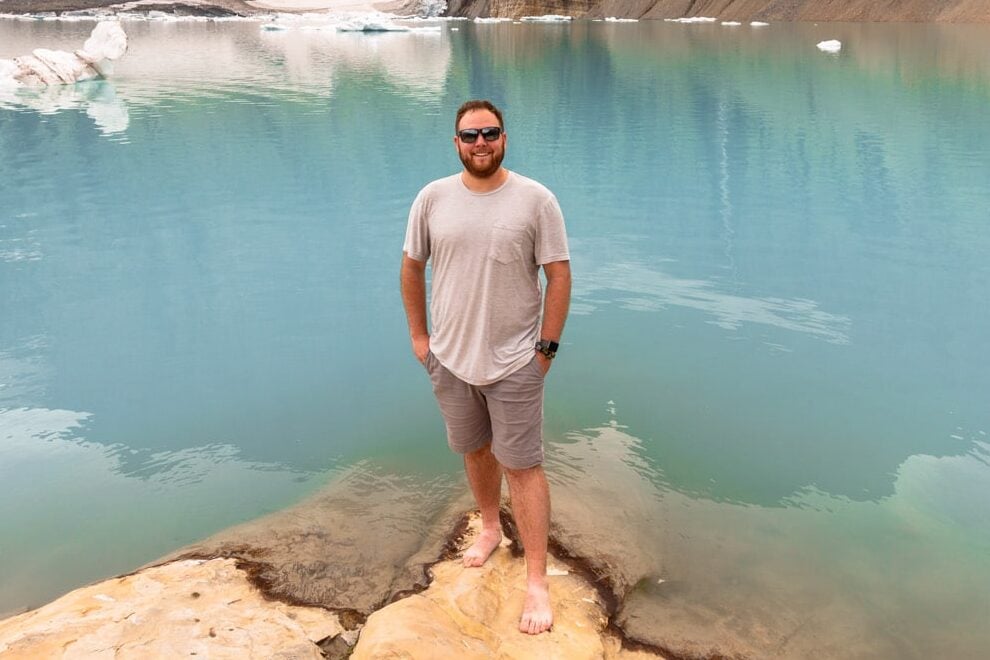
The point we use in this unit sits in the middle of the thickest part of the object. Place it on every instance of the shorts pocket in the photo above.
(507, 244)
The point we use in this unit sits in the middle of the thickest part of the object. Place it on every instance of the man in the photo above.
(488, 231)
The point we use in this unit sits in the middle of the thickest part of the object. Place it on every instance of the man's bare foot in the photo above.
(482, 549)
(537, 616)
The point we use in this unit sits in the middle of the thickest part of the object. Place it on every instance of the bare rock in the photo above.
(474, 613)
(185, 608)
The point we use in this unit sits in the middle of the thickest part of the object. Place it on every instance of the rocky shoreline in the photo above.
(228, 606)
(924, 11)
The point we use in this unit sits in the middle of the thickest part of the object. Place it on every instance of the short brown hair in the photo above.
(477, 104)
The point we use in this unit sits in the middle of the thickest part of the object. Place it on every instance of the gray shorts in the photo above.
(507, 413)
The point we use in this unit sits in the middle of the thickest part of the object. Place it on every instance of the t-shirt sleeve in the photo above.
(551, 237)
(417, 243)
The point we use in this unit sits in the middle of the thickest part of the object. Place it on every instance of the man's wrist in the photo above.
(548, 348)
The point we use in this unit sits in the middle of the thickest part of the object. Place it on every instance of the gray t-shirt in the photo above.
(486, 250)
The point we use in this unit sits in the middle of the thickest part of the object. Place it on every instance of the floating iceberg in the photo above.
(548, 18)
(492, 20)
(273, 27)
(371, 24)
(613, 19)
(830, 46)
(691, 19)
(731, 23)
(106, 43)
(758, 24)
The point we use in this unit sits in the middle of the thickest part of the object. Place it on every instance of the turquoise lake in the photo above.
(773, 388)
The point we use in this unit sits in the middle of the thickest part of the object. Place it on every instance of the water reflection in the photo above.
(640, 287)
(172, 60)
(98, 98)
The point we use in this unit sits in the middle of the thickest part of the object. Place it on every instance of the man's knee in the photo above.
(481, 452)
(523, 473)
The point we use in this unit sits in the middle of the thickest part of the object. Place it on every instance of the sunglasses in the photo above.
(470, 135)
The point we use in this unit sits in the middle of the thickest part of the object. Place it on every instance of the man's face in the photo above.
(481, 158)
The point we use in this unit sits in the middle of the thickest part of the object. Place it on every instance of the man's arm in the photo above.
(555, 304)
(412, 281)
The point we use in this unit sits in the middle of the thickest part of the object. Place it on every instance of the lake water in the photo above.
(769, 415)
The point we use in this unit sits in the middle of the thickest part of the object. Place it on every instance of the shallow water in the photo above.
(768, 421)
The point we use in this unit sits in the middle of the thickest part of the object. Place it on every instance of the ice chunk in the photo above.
(371, 24)
(731, 23)
(107, 42)
(758, 24)
(830, 46)
(691, 19)
(613, 19)
(547, 18)
(492, 20)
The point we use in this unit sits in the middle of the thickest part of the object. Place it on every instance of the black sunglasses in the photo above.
(470, 135)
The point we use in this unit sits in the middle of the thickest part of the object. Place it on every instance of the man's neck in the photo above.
(484, 184)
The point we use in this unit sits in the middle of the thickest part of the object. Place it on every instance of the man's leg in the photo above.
(531, 509)
(485, 476)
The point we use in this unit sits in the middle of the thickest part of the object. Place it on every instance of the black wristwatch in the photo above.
(548, 348)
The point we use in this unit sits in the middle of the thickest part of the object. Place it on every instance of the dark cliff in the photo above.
(948, 11)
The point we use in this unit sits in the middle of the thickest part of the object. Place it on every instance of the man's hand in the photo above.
(544, 361)
(421, 347)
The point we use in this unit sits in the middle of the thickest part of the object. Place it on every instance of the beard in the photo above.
(494, 163)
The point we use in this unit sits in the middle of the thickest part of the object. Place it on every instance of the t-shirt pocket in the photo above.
(507, 244)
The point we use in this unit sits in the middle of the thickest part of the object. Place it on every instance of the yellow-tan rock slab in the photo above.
(204, 608)
(473, 613)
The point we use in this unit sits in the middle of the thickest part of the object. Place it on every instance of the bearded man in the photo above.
(488, 231)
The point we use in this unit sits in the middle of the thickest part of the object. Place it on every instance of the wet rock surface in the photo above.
(352, 546)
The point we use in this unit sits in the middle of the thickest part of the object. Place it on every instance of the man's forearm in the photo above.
(413, 284)
(557, 300)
